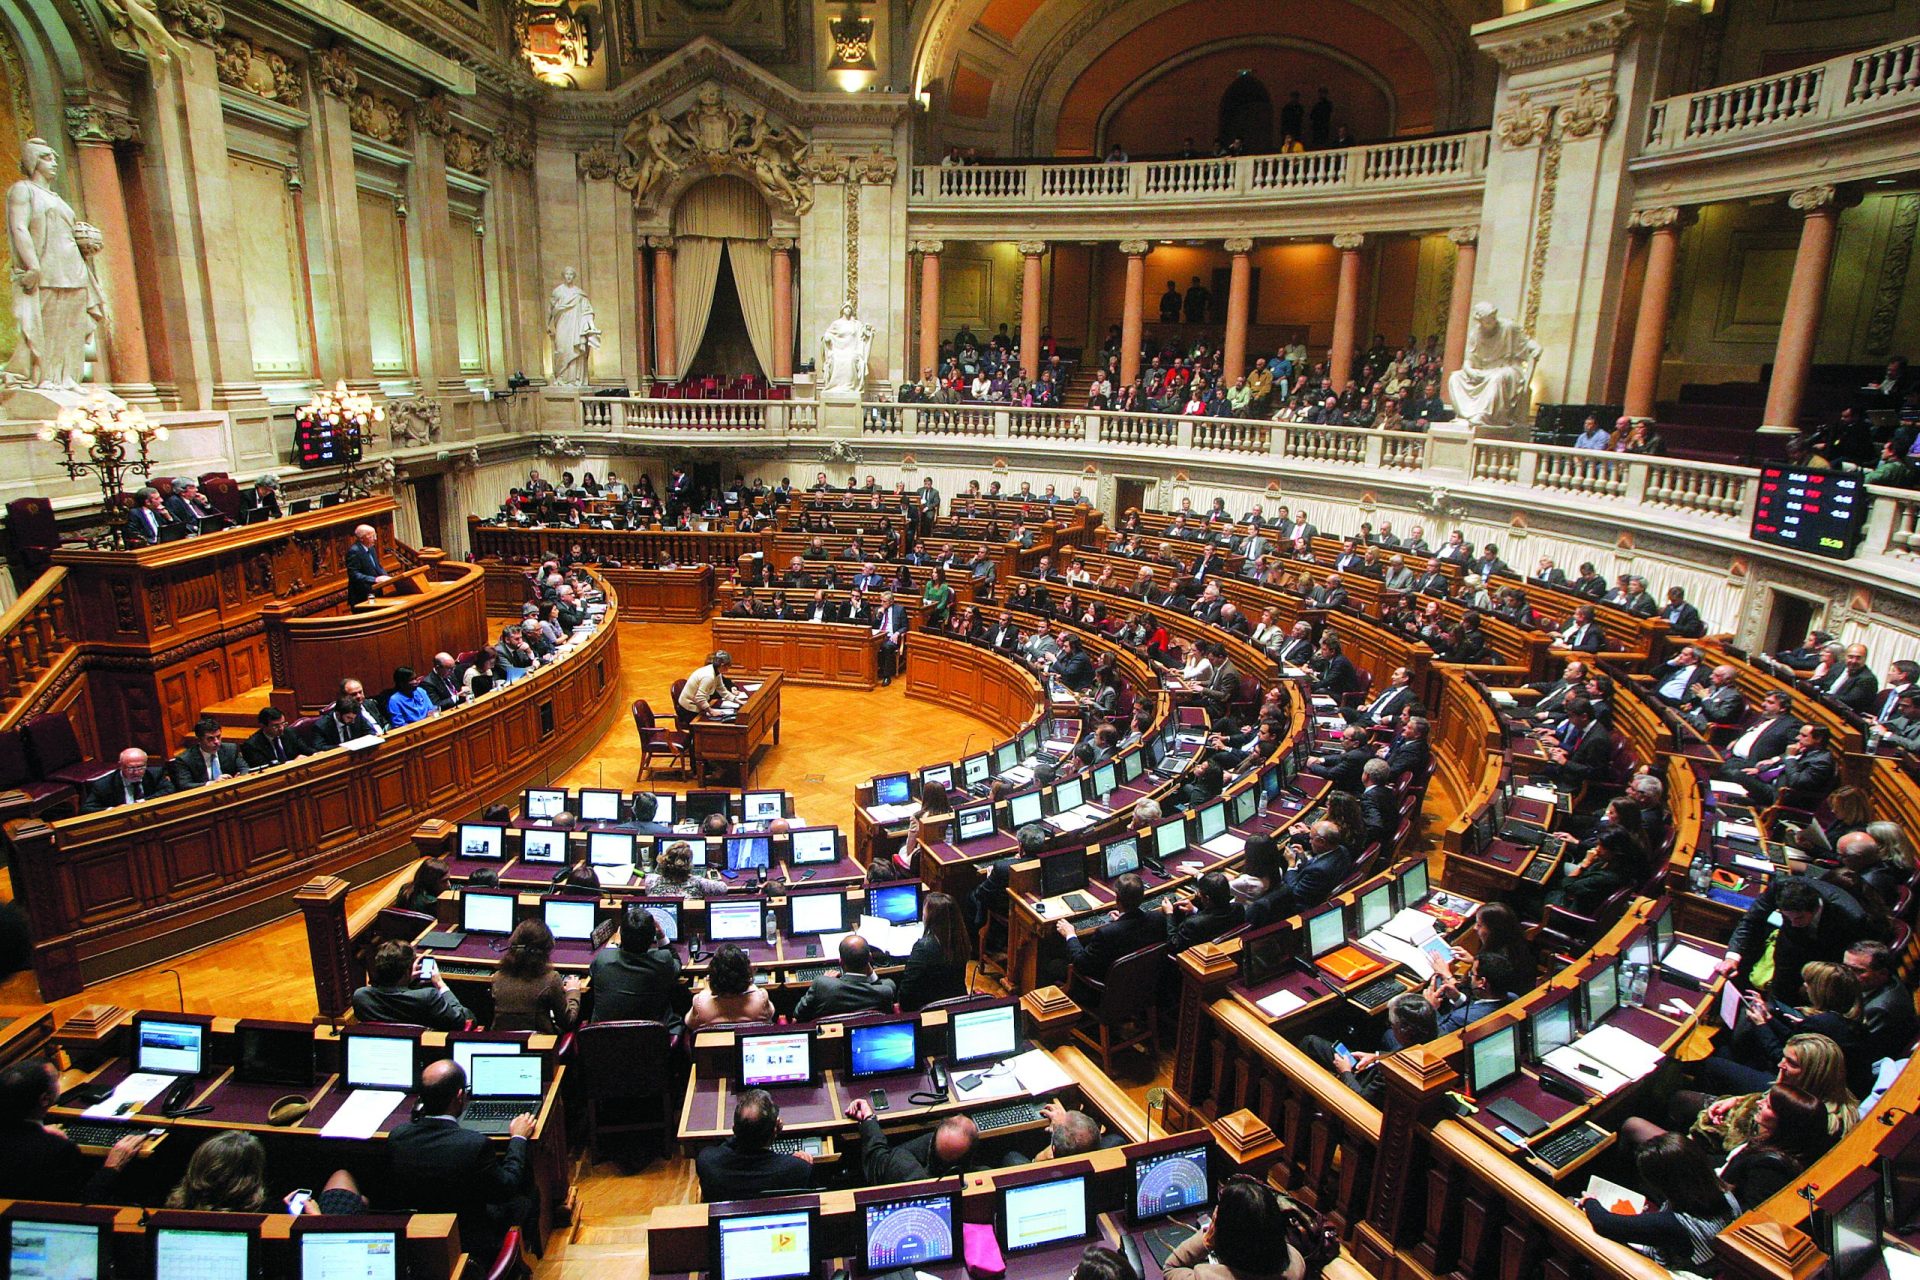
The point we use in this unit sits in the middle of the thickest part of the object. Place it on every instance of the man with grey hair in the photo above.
(148, 518)
(1718, 702)
(1146, 812)
(1327, 865)
(189, 508)
(365, 576)
(135, 780)
(1861, 854)
(1069, 1133)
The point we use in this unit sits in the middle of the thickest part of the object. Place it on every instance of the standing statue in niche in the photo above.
(571, 329)
(56, 300)
(1493, 384)
(843, 354)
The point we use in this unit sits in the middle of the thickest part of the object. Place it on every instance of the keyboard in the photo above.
(1378, 992)
(808, 973)
(95, 1133)
(1562, 1149)
(1009, 1117)
(497, 1111)
(1539, 869)
(793, 1146)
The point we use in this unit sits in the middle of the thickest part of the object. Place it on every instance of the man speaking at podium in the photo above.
(364, 574)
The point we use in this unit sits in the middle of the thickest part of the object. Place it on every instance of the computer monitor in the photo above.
(506, 1075)
(664, 803)
(1551, 1027)
(763, 806)
(1044, 1213)
(1106, 779)
(813, 846)
(1119, 856)
(893, 788)
(975, 770)
(939, 775)
(542, 803)
(42, 1242)
(544, 845)
(569, 919)
(1068, 795)
(985, 1034)
(1245, 806)
(1663, 930)
(817, 913)
(701, 805)
(774, 1058)
(1600, 995)
(918, 1231)
(975, 822)
(898, 902)
(1132, 765)
(273, 1053)
(748, 853)
(737, 920)
(666, 911)
(192, 1246)
(1210, 822)
(169, 1047)
(482, 911)
(1853, 1234)
(1413, 885)
(465, 1050)
(1063, 872)
(1169, 1181)
(379, 1060)
(1375, 908)
(777, 1245)
(483, 840)
(1326, 932)
(1493, 1058)
(599, 805)
(1170, 839)
(883, 1048)
(1029, 743)
(1005, 756)
(611, 849)
(1023, 809)
(362, 1253)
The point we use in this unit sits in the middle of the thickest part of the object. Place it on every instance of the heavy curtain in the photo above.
(722, 213)
(696, 268)
(753, 277)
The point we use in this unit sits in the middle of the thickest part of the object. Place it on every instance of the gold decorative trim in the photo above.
(1543, 231)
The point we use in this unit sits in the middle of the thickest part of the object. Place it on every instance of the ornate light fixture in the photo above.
(348, 415)
(851, 64)
(111, 438)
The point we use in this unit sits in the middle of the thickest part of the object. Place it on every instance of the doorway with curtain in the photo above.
(723, 280)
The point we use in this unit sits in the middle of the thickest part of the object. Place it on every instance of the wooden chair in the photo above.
(621, 1064)
(674, 745)
(1129, 994)
(56, 752)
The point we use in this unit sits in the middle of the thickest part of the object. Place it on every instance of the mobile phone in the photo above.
(877, 1099)
(429, 968)
(297, 1202)
(1341, 1051)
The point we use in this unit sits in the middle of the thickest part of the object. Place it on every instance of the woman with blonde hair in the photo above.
(1831, 1007)
(1811, 1063)
(672, 875)
(226, 1174)
(1893, 842)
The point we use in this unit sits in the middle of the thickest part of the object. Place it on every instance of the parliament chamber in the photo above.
(1169, 640)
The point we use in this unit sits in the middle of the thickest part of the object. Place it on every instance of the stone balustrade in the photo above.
(1847, 88)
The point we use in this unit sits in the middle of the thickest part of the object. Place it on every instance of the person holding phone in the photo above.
(1750, 1058)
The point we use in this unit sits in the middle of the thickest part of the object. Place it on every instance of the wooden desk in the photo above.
(830, 653)
(754, 729)
(684, 594)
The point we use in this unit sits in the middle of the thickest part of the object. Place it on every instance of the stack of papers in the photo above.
(1039, 1074)
(885, 813)
(1691, 961)
(1227, 845)
(1281, 1003)
(1545, 795)
(1606, 1059)
(894, 939)
(139, 1088)
(1410, 939)
(1614, 1197)
(1501, 698)
(1074, 819)
(1720, 788)
(362, 1114)
(1321, 702)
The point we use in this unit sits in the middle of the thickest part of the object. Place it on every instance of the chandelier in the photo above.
(106, 438)
(340, 408)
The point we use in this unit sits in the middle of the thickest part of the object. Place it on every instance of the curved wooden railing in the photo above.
(36, 644)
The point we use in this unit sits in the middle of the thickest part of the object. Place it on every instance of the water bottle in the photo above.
(772, 930)
(1637, 981)
(1700, 874)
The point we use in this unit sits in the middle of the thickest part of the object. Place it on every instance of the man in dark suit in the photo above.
(1410, 752)
(1549, 573)
(944, 1152)
(190, 508)
(148, 517)
(1431, 581)
(442, 683)
(1073, 667)
(1802, 776)
(1675, 679)
(929, 504)
(1297, 651)
(1379, 803)
(1331, 594)
(1388, 704)
(1583, 634)
(1589, 583)
(1005, 635)
(38, 1163)
(638, 976)
(263, 497)
(1211, 914)
(206, 759)
(821, 609)
(1767, 737)
(854, 989)
(271, 744)
(1129, 931)
(890, 624)
(1717, 703)
(1318, 875)
(1683, 619)
(745, 1166)
(135, 780)
(364, 574)
(1334, 674)
(397, 992)
(448, 1169)
(1852, 684)
(347, 720)
(1886, 1004)
(1818, 921)
(1343, 766)
(1587, 751)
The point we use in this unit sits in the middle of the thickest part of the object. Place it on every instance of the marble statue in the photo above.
(1493, 385)
(571, 328)
(56, 299)
(843, 354)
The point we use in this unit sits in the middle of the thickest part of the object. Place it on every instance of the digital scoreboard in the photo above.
(1819, 512)
(324, 444)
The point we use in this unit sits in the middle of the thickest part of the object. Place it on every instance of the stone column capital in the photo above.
(780, 244)
(1349, 241)
(333, 72)
(1665, 218)
(1135, 248)
(95, 126)
(1465, 235)
(1238, 244)
(1822, 197)
(193, 19)
(660, 242)
(1031, 248)
(932, 248)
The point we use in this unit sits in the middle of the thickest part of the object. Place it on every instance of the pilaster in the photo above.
(343, 330)
(430, 241)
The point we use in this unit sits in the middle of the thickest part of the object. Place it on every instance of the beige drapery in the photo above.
(753, 277)
(722, 213)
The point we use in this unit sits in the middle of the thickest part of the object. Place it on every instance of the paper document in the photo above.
(885, 813)
(1281, 1003)
(1902, 1264)
(894, 939)
(1619, 1051)
(1501, 698)
(1333, 723)
(1740, 830)
(138, 1088)
(1226, 845)
(362, 1114)
(1745, 863)
(1614, 1197)
(1382, 943)
(1323, 703)
(1545, 795)
(1002, 1083)
(1691, 961)
(1597, 1076)
(366, 743)
(1729, 1005)
(1720, 788)
(1038, 1073)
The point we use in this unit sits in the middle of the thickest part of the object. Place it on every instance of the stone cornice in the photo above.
(1562, 32)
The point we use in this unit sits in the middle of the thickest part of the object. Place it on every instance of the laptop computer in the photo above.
(502, 1086)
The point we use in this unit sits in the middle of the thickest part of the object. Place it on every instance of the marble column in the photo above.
(1806, 301)
(1466, 243)
(1656, 302)
(94, 133)
(1132, 316)
(1233, 355)
(642, 304)
(929, 251)
(430, 249)
(1346, 308)
(342, 322)
(666, 361)
(1030, 254)
(782, 247)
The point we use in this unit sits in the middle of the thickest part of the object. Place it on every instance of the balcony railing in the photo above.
(1848, 87)
(632, 413)
(1457, 159)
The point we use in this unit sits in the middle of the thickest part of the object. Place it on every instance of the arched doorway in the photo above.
(720, 229)
(1246, 113)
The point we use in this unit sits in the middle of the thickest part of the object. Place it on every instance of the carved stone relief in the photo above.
(381, 119)
(468, 151)
(718, 137)
(333, 72)
(244, 65)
